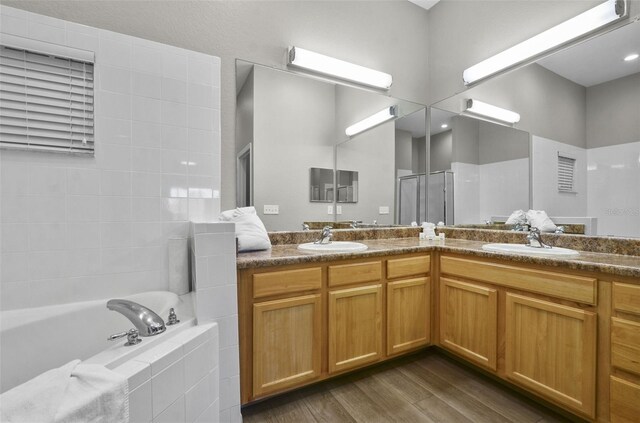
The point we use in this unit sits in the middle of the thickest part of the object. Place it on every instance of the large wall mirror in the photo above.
(293, 126)
(580, 113)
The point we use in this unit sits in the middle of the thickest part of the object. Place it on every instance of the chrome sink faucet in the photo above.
(535, 239)
(146, 321)
(325, 236)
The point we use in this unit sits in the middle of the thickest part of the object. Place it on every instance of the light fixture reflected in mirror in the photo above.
(485, 110)
(374, 120)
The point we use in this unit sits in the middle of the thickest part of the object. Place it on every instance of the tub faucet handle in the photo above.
(172, 319)
(131, 334)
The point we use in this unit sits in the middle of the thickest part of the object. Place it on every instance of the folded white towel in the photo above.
(250, 231)
(539, 219)
(517, 217)
(74, 392)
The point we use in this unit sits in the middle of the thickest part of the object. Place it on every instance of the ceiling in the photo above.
(414, 123)
(425, 4)
(599, 59)
(438, 118)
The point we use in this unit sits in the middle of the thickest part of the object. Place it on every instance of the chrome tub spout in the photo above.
(146, 321)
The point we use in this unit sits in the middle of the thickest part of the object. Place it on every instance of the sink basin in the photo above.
(530, 251)
(333, 247)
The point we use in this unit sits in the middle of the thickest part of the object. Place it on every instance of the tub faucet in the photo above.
(534, 239)
(146, 321)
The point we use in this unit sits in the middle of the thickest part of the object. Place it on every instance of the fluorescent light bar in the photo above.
(580, 25)
(326, 65)
(374, 120)
(484, 109)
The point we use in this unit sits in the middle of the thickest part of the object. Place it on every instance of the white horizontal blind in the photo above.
(46, 102)
(566, 172)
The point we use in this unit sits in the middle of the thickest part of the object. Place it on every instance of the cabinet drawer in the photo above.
(625, 345)
(624, 402)
(286, 282)
(626, 297)
(346, 274)
(398, 268)
(576, 288)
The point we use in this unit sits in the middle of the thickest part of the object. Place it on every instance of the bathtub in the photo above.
(35, 340)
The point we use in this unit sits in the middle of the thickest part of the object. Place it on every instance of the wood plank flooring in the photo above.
(429, 387)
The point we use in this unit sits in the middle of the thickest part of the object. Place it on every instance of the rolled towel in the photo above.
(517, 217)
(75, 392)
(539, 219)
(250, 231)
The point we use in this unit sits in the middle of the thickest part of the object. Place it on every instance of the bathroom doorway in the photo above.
(244, 177)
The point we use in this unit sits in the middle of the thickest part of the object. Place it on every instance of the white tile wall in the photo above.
(496, 179)
(105, 221)
(545, 180)
(213, 257)
(177, 381)
(613, 175)
(466, 188)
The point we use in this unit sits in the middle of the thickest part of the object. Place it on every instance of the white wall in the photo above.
(466, 193)
(372, 34)
(77, 228)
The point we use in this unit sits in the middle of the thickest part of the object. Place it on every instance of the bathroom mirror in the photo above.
(581, 103)
(296, 122)
(347, 186)
(321, 185)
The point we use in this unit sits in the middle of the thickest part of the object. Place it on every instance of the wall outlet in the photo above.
(338, 209)
(271, 209)
(329, 209)
(383, 210)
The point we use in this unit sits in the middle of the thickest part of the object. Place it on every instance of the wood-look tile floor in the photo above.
(428, 387)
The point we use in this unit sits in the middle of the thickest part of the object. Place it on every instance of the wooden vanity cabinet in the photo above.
(624, 390)
(304, 323)
(547, 340)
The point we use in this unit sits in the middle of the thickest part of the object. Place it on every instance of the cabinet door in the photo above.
(286, 343)
(408, 309)
(551, 349)
(469, 321)
(355, 327)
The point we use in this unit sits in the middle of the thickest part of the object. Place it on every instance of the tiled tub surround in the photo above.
(78, 228)
(177, 381)
(616, 264)
(213, 247)
(173, 376)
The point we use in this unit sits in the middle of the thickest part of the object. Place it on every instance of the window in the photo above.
(46, 97)
(566, 172)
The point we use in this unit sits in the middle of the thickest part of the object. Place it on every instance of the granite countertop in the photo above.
(616, 264)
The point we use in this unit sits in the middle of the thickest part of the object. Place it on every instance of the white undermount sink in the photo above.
(333, 247)
(530, 251)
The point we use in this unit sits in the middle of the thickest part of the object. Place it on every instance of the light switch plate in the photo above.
(383, 210)
(338, 209)
(329, 209)
(271, 209)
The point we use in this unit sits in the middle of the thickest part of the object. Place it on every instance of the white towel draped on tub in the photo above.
(75, 392)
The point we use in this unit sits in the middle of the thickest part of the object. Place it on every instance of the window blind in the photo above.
(566, 171)
(46, 102)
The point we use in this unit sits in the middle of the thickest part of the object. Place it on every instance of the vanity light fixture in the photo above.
(375, 119)
(326, 65)
(490, 111)
(597, 17)
(631, 57)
